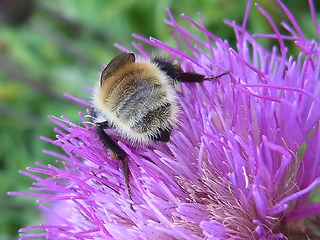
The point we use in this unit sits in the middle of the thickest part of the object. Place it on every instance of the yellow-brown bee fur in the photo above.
(138, 100)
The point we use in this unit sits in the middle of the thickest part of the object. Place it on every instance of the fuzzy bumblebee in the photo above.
(137, 99)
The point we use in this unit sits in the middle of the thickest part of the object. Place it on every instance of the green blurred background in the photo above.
(48, 48)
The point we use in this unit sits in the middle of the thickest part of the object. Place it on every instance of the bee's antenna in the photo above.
(218, 76)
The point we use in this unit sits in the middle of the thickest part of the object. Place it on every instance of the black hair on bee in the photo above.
(137, 98)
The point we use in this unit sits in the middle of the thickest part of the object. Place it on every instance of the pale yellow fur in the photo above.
(100, 103)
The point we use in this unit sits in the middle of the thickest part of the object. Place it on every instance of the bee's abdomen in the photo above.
(154, 120)
(138, 100)
(139, 103)
(135, 95)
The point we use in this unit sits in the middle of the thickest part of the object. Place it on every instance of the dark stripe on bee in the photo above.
(124, 95)
(153, 119)
(141, 102)
(163, 135)
(128, 82)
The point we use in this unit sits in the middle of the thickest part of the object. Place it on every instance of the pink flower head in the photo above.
(241, 165)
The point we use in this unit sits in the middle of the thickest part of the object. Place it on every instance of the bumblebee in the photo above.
(137, 99)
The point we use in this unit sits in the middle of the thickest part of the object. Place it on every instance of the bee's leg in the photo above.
(177, 74)
(195, 77)
(113, 148)
(103, 125)
(217, 76)
(117, 153)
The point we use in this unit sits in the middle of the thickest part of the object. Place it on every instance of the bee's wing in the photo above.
(116, 63)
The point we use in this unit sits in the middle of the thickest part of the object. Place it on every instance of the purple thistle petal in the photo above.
(275, 29)
(292, 19)
(314, 18)
(121, 48)
(78, 100)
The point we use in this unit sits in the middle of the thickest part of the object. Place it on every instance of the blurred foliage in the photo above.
(48, 48)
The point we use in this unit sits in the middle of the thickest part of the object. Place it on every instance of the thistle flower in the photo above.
(243, 164)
